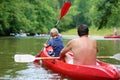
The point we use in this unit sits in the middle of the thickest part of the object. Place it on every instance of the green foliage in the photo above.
(105, 13)
(29, 16)
(41, 15)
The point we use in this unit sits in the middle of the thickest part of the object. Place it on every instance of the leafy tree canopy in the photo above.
(39, 16)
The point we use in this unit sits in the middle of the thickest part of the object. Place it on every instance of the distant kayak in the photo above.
(41, 35)
(21, 35)
(111, 36)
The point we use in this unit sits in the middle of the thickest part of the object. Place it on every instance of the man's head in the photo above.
(54, 32)
(82, 30)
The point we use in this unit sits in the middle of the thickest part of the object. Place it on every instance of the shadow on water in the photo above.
(10, 70)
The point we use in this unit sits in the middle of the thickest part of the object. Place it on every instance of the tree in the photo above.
(103, 11)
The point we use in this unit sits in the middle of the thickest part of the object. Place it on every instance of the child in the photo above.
(56, 42)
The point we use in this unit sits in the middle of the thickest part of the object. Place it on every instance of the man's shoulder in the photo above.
(74, 40)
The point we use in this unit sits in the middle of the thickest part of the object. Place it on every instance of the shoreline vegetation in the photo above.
(93, 31)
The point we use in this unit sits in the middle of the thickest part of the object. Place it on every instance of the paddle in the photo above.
(30, 58)
(63, 12)
(116, 56)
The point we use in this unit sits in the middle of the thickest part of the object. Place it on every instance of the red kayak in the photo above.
(102, 71)
(111, 36)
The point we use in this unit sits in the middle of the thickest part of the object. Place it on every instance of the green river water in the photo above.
(10, 70)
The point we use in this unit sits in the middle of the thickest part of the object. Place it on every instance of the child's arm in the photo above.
(49, 43)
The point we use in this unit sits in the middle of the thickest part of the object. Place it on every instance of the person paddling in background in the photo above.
(56, 42)
(83, 48)
(115, 31)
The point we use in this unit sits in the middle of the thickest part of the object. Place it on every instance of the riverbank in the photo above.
(94, 31)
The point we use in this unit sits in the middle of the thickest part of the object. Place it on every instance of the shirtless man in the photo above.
(83, 48)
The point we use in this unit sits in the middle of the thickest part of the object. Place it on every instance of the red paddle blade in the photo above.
(65, 9)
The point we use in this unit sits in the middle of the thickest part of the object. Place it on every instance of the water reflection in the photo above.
(34, 72)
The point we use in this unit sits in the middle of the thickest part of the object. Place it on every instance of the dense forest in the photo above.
(39, 16)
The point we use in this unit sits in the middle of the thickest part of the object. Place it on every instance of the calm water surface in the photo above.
(10, 70)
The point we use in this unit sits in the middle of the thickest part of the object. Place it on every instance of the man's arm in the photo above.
(65, 50)
(96, 45)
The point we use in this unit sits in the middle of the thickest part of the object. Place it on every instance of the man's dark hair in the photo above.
(82, 30)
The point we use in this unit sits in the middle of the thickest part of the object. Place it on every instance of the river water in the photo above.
(10, 70)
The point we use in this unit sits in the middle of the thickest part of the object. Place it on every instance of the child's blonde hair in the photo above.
(54, 32)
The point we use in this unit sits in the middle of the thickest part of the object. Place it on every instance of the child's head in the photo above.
(54, 32)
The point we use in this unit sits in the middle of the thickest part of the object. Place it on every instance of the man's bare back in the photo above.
(83, 48)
